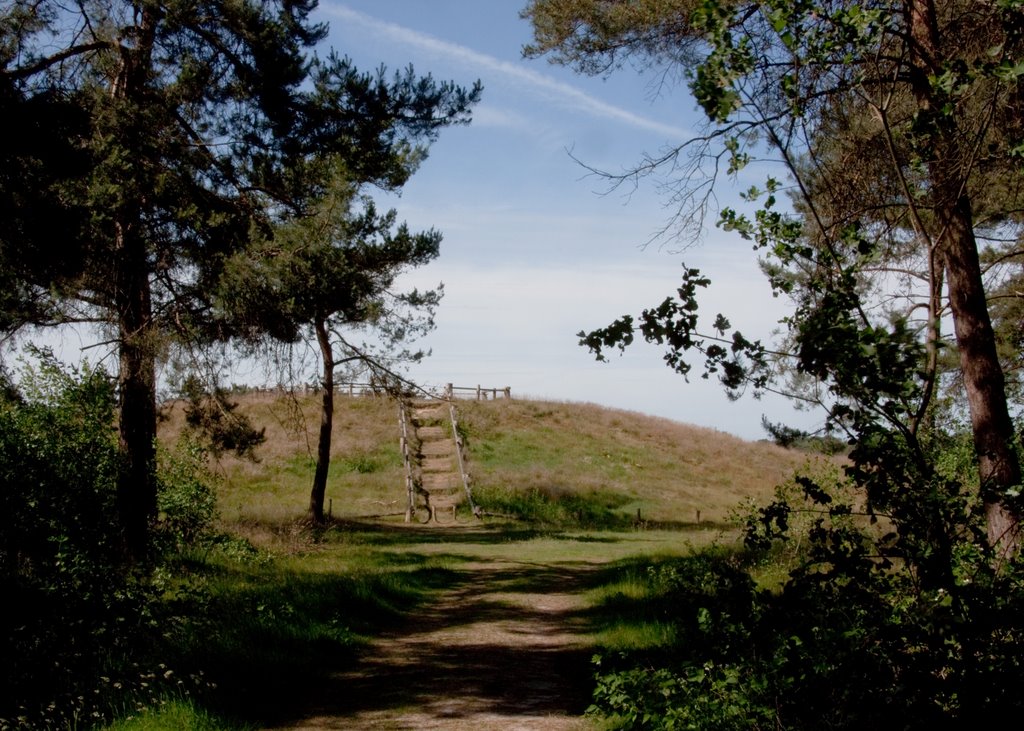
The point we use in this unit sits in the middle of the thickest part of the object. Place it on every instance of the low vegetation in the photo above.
(241, 603)
(244, 610)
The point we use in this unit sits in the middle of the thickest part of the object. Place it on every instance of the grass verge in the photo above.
(265, 631)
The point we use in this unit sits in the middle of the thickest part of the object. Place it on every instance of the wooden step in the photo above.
(427, 415)
(437, 449)
(437, 464)
(446, 501)
(431, 433)
(440, 482)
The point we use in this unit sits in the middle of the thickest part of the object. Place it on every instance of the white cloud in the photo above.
(536, 82)
(516, 326)
(490, 116)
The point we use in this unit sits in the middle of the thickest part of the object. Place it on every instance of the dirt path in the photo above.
(505, 649)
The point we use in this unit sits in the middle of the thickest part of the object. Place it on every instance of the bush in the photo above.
(556, 507)
(186, 499)
(80, 623)
(70, 603)
(860, 635)
(701, 681)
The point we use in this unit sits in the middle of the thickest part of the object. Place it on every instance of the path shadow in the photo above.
(401, 534)
(485, 533)
(503, 640)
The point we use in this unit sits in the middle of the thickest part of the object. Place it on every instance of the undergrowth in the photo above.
(207, 628)
(850, 639)
(265, 633)
(175, 715)
(553, 507)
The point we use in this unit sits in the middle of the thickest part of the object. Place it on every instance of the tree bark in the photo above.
(323, 450)
(984, 381)
(136, 488)
(132, 297)
(983, 378)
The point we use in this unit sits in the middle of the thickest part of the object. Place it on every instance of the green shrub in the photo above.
(70, 603)
(704, 696)
(363, 464)
(81, 624)
(186, 499)
(701, 681)
(556, 508)
(859, 636)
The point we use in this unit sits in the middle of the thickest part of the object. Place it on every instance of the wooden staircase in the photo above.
(435, 461)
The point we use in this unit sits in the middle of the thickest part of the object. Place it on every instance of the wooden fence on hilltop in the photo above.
(353, 389)
(479, 393)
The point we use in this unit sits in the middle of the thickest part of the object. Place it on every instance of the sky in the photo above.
(535, 247)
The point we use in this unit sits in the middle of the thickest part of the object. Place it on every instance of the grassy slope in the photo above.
(266, 630)
(625, 460)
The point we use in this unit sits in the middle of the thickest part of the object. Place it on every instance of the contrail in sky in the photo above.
(534, 80)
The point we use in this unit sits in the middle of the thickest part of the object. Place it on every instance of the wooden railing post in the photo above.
(461, 457)
(407, 460)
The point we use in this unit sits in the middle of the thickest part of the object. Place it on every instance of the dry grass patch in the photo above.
(366, 476)
(669, 472)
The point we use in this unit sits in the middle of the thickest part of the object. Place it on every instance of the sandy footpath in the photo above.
(504, 650)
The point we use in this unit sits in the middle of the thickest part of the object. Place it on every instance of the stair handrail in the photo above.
(410, 484)
(457, 436)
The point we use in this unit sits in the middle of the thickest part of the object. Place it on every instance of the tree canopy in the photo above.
(190, 123)
(327, 271)
(898, 124)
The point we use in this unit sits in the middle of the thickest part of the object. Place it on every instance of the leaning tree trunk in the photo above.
(983, 377)
(323, 448)
(984, 382)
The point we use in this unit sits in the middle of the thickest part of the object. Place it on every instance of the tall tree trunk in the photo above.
(137, 487)
(984, 382)
(136, 392)
(982, 373)
(323, 448)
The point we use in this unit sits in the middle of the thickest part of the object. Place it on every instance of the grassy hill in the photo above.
(524, 456)
(271, 624)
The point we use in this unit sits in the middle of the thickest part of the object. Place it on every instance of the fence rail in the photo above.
(479, 393)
